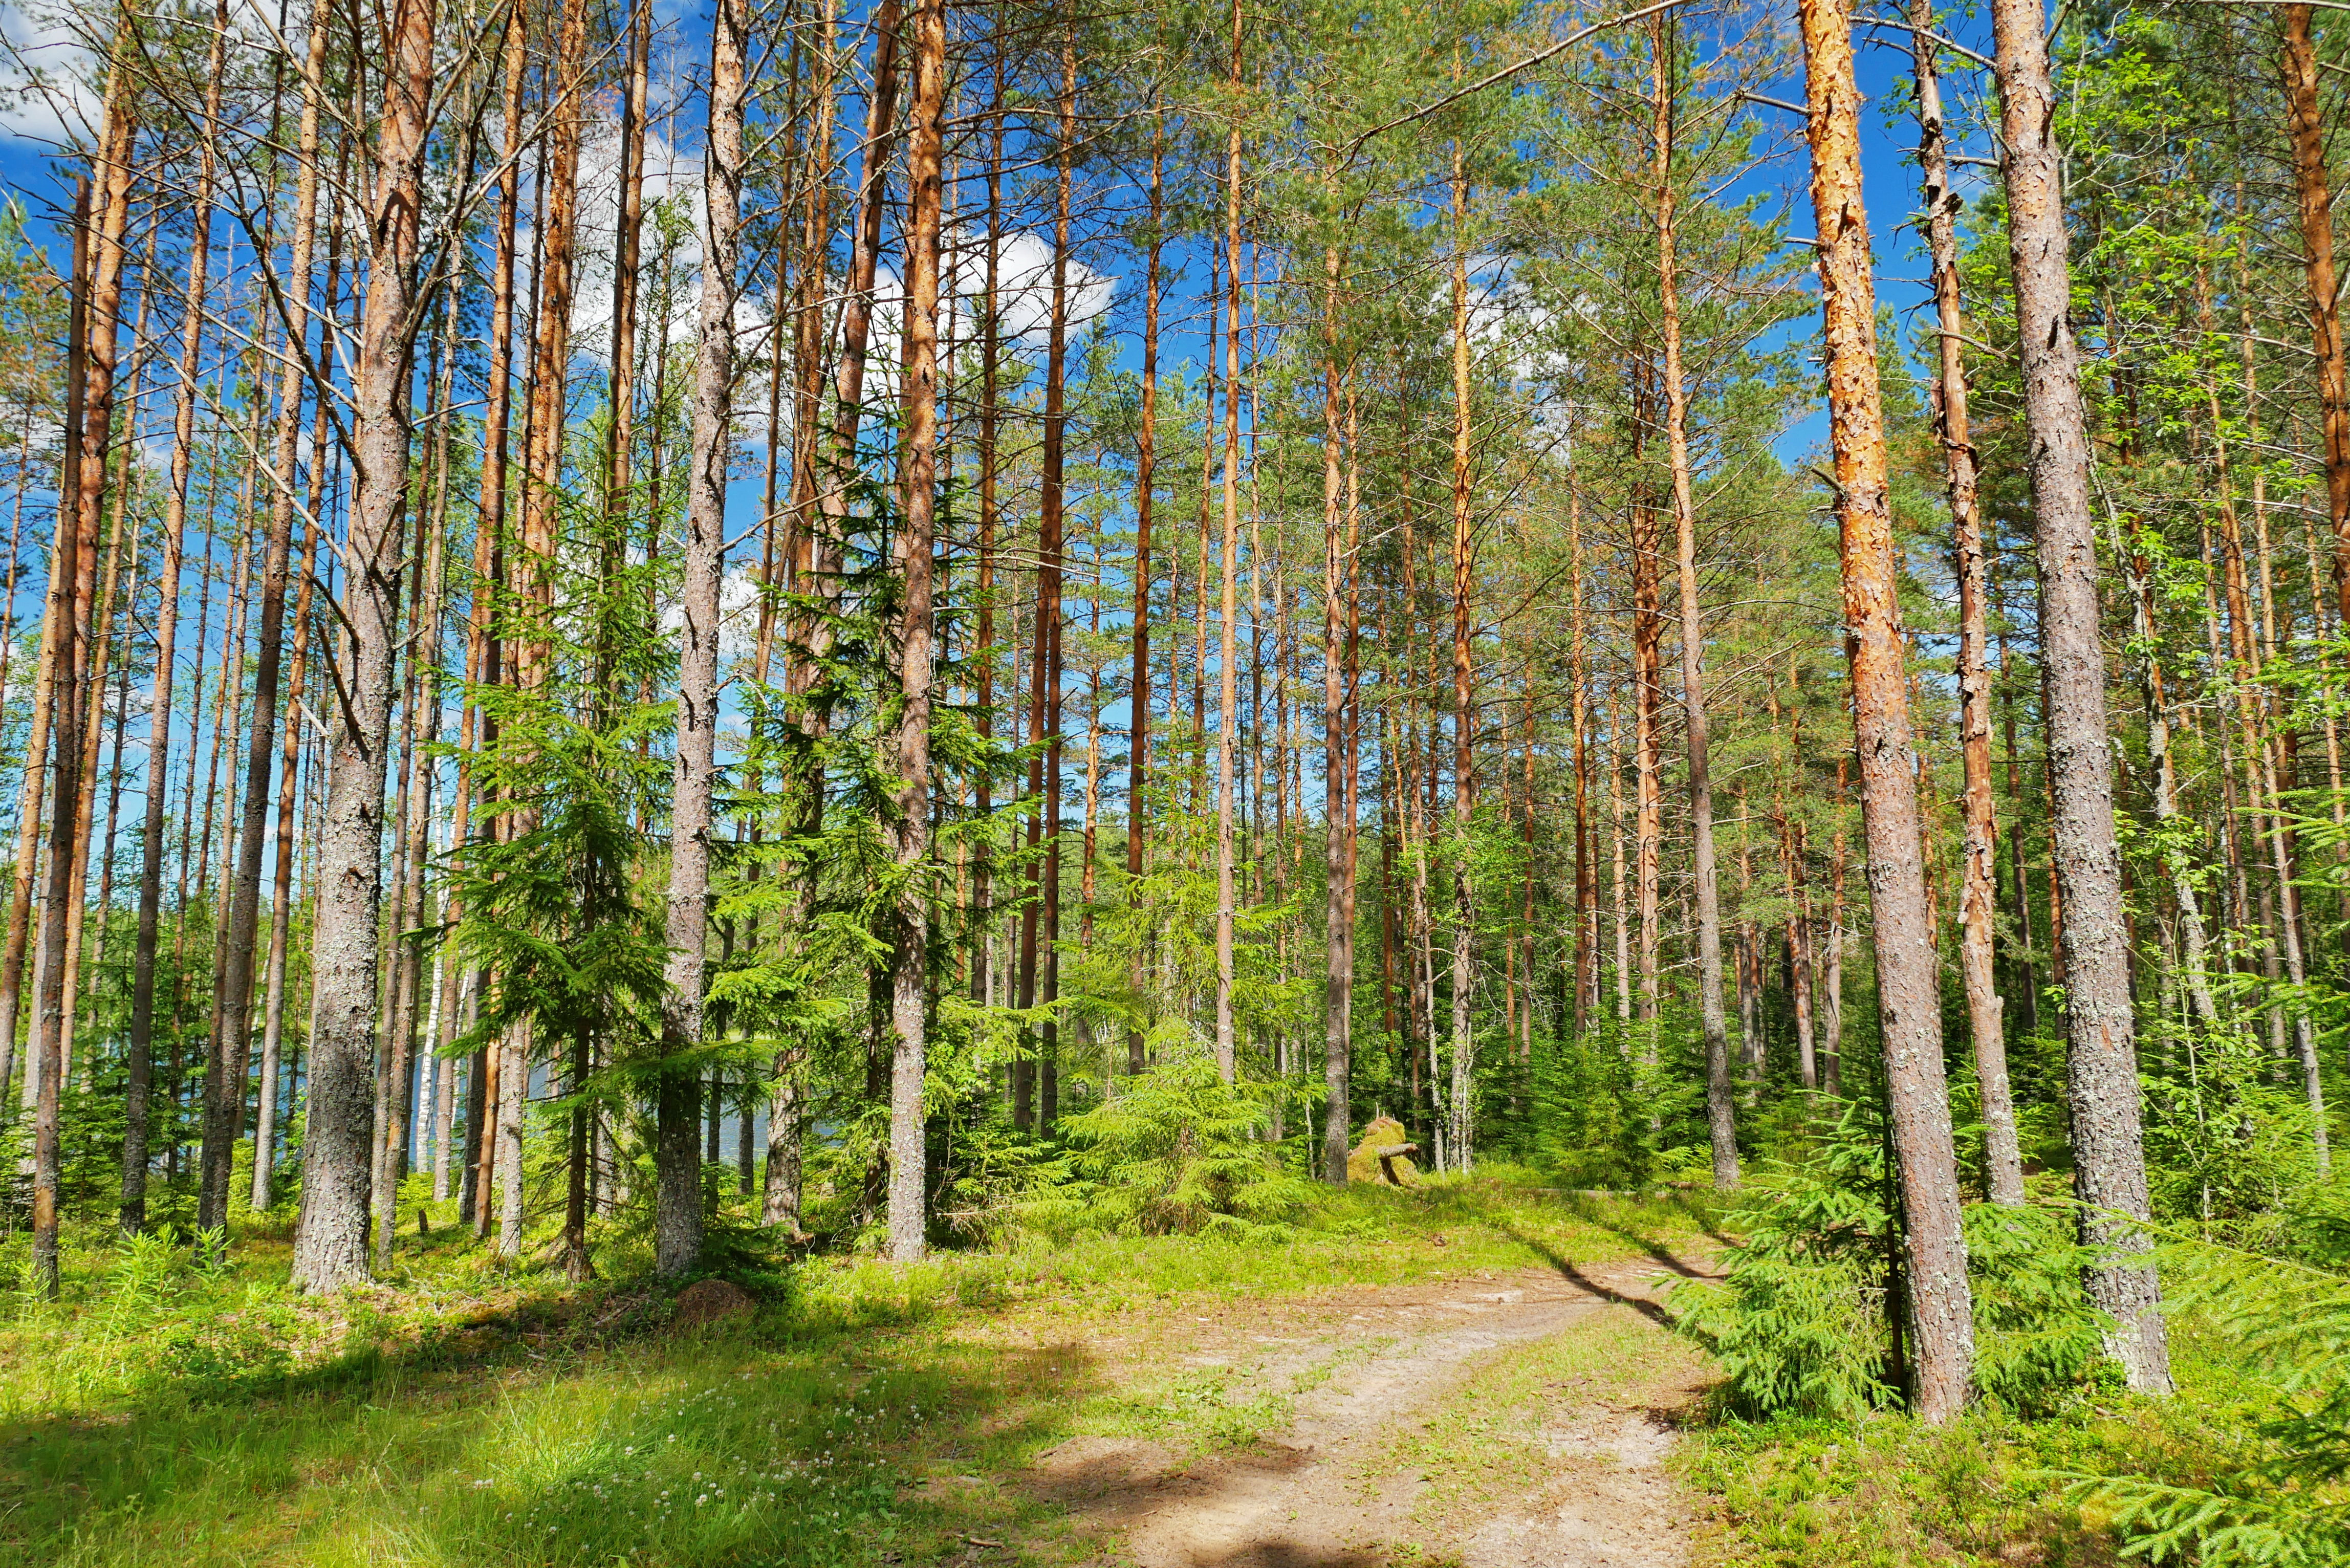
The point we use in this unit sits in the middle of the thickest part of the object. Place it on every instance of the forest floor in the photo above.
(1515, 1419)
(1476, 1374)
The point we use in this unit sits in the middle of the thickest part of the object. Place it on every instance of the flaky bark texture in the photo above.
(1145, 483)
(2305, 125)
(1909, 995)
(1705, 888)
(857, 303)
(330, 1242)
(1338, 933)
(2102, 1056)
(1978, 890)
(677, 1202)
(1227, 704)
(74, 603)
(911, 813)
(1465, 711)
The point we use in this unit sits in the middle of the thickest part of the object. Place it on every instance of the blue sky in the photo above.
(29, 170)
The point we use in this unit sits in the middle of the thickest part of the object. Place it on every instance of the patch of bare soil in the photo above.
(1325, 1491)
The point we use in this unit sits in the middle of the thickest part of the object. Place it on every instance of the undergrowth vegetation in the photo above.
(170, 1408)
(1807, 1451)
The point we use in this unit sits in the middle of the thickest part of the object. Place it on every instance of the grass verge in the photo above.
(460, 1414)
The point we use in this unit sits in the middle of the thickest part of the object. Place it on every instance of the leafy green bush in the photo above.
(1175, 1152)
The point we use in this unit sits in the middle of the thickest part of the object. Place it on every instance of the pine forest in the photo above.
(1207, 786)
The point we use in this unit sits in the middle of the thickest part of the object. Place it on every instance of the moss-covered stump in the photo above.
(1383, 1155)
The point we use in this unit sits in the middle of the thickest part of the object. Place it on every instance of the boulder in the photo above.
(706, 1302)
(1383, 1155)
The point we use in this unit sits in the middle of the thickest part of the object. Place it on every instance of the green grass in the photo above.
(460, 1414)
(463, 1413)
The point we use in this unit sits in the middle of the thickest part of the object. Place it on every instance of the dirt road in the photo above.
(1509, 1421)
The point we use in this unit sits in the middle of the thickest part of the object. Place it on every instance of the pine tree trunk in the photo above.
(1227, 1046)
(1464, 712)
(911, 746)
(232, 1011)
(2313, 186)
(1052, 530)
(1138, 775)
(137, 1098)
(74, 576)
(1618, 886)
(1587, 867)
(1832, 988)
(281, 909)
(1979, 893)
(1339, 936)
(330, 1244)
(1720, 1104)
(677, 1209)
(2102, 1089)
(485, 654)
(1908, 1001)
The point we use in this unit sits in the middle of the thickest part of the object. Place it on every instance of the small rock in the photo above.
(706, 1302)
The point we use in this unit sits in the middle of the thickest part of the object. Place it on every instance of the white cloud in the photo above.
(48, 91)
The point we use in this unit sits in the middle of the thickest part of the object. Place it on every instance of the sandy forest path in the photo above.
(1515, 1419)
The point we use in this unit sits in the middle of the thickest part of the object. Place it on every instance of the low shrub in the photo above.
(1799, 1319)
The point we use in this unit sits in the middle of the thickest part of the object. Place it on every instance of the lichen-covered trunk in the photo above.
(1464, 713)
(677, 1155)
(331, 1242)
(2101, 1034)
(1337, 933)
(1908, 1001)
